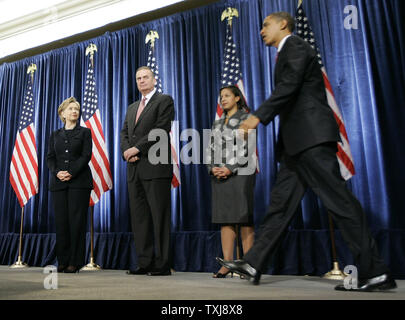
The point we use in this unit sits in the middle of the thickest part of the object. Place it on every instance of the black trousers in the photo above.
(150, 205)
(318, 169)
(71, 210)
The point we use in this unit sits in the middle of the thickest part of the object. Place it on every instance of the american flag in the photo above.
(152, 64)
(344, 154)
(99, 163)
(24, 162)
(231, 73)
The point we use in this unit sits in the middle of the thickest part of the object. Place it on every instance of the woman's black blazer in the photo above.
(70, 152)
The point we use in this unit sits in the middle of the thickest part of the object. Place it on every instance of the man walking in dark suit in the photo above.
(149, 184)
(306, 150)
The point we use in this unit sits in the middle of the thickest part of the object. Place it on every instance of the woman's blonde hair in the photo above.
(64, 105)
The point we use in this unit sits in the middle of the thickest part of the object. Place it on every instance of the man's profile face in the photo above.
(145, 81)
(271, 30)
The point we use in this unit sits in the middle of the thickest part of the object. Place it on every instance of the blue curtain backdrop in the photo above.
(366, 68)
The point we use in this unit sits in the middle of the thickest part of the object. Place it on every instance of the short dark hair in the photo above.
(282, 15)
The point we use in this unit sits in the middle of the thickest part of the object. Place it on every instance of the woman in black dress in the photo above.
(231, 163)
(71, 182)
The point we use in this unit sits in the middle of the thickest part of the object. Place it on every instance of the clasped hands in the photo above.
(64, 176)
(221, 173)
(130, 154)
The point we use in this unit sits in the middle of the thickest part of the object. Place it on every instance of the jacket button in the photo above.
(66, 161)
(66, 141)
(67, 151)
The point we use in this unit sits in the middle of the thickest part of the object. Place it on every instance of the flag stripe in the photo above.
(24, 162)
(20, 179)
(345, 158)
(18, 187)
(101, 152)
(30, 159)
(30, 138)
(24, 166)
(91, 118)
(99, 157)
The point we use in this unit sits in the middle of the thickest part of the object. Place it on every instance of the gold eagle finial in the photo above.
(31, 69)
(229, 13)
(91, 49)
(151, 36)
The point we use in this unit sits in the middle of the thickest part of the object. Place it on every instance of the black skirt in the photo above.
(232, 199)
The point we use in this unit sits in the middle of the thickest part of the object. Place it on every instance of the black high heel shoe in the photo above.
(71, 269)
(220, 275)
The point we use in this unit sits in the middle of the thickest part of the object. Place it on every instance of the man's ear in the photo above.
(283, 24)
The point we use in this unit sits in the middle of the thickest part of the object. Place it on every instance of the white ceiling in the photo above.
(27, 24)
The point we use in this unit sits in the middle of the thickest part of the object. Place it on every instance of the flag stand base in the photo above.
(19, 264)
(91, 266)
(335, 274)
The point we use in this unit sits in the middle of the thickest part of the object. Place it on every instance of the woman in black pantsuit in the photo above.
(69, 153)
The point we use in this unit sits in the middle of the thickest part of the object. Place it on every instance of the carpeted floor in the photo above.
(30, 284)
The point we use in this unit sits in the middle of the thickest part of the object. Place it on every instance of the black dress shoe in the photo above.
(160, 273)
(138, 271)
(71, 269)
(242, 268)
(380, 283)
(61, 268)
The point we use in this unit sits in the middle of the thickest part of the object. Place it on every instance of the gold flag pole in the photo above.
(19, 263)
(335, 273)
(91, 266)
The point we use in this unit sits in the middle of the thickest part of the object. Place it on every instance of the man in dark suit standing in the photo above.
(306, 150)
(148, 183)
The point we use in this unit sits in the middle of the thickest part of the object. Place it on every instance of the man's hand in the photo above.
(249, 124)
(133, 159)
(64, 176)
(129, 153)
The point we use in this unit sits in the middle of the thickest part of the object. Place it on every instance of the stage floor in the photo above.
(28, 284)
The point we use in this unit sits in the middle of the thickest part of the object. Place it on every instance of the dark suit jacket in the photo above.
(70, 153)
(158, 114)
(299, 99)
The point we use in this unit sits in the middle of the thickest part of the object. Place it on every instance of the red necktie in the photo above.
(140, 108)
(277, 57)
